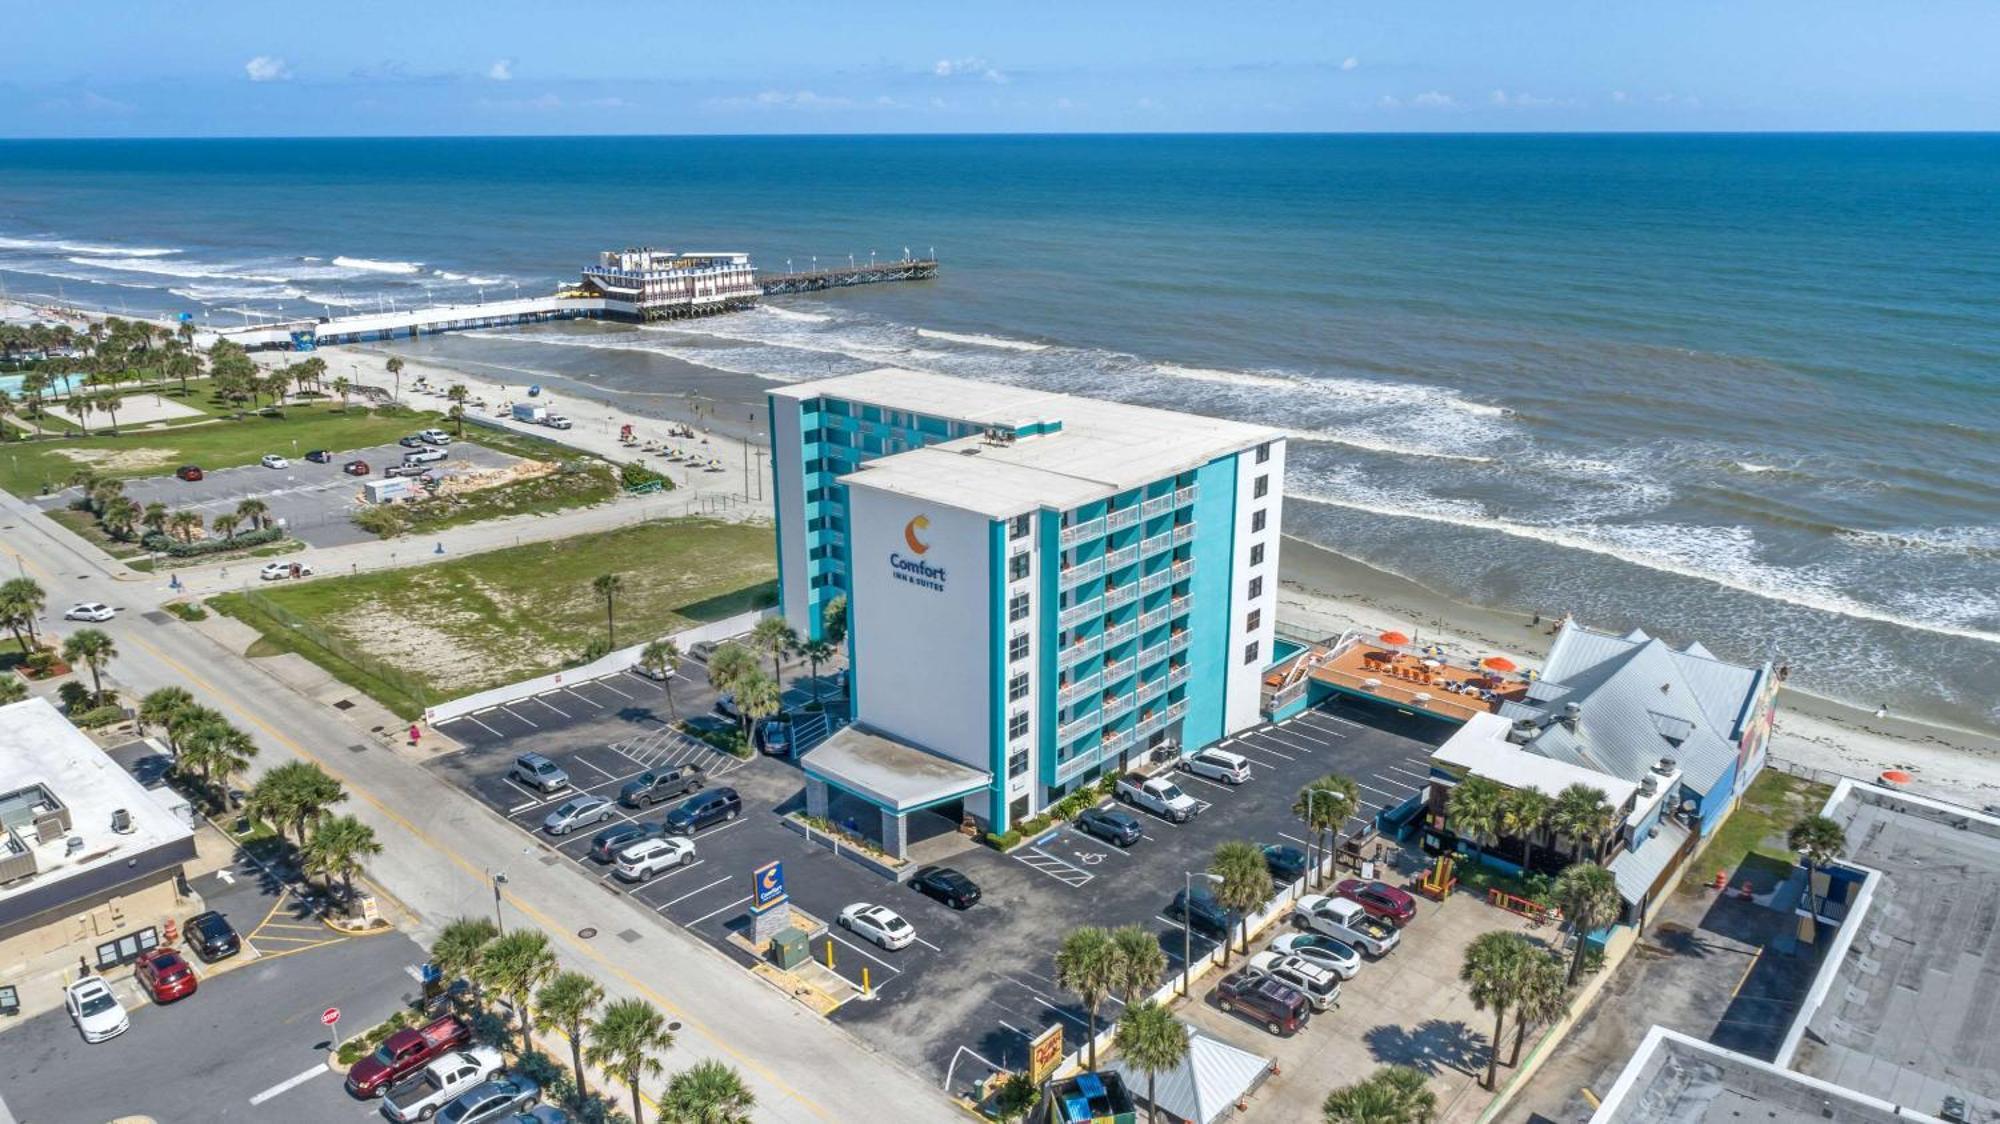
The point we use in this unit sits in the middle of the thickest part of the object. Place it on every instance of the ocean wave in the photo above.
(1718, 555)
(790, 314)
(709, 358)
(338, 300)
(190, 270)
(1377, 445)
(63, 246)
(468, 278)
(1228, 378)
(370, 265)
(981, 341)
(208, 294)
(1972, 542)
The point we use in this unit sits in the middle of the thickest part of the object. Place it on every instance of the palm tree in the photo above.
(459, 948)
(102, 492)
(337, 847)
(1819, 840)
(1393, 1094)
(1016, 1096)
(21, 601)
(756, 697)
(184, 524)
(662, 658)
(1473, 809)
(95, 648)
(1582, 814)
(159, 708)
(1087, 965)
(1152, 1040)
(225, 525)
(121, 516)
(565, 1004)
(1542, 998)
(1587, 894)
(155, 518)
(296, 794)
(256, 511)
(221, 751)
(515, 964)
(1492, 970)
(395, 366)
(817, 652)
(833, 619)
(1245, 884)
(774, 638)
(458, 395)
(340, 387)
(180, 366)
(81, 407)
(111, 402)
(623, 1043)
(1324, 807)
(707, 1093)
(1141, 962)
(1523, 814)
(607, 587)
(728, 664)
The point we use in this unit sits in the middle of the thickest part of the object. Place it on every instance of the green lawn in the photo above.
(541, 496)
(415, 637)
(1774, 802)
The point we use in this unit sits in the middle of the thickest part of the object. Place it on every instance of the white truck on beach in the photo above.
(1157, 795)
(434, 1086)
(532, 412)
(1345, 920)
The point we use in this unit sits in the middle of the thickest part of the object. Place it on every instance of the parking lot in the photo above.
(975, 986)
(315, 502)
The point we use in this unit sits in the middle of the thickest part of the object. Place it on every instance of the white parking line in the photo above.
(288, 1085)
(1424, 777)
(1294, 838)
(585, 762)
(1254, 758)
(1062, 870)
(724, 909)
(1394, 797)
(692, 893)
(659, 878)
(1262, 747)
(1296, 743)
(483, 726)
(1322, 723)
(1202, 780)
(579, 696)
(1321, 714)
(850, 944)
(737, 822)
(927, 944)
(606, 684)
(511, 713)
(545, 702)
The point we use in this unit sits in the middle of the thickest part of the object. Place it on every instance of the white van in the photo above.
(1216, 765)
(644, 859)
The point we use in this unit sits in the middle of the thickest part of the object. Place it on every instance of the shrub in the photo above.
(186, 611)
(98, 716)
(41, 661)
(636, 476)
(381, 520)
(74, 696)
(597, 649)
(175, 548)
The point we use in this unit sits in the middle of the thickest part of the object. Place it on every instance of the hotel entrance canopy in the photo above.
(893, 775)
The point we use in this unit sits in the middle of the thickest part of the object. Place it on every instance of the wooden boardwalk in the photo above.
(818, 280)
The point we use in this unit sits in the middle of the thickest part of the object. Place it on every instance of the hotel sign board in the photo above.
(767, 885)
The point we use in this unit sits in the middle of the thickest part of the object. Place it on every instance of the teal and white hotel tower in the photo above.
(1041, 587)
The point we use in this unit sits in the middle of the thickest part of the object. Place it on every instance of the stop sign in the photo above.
(330, 1016)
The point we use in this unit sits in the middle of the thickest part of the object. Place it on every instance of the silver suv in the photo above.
(539, 773)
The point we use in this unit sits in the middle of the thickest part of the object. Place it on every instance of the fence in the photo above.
(1826, 777)
(408, 687)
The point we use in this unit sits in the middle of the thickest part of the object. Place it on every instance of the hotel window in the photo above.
(1261, 488)
(1017, 607)
(1257, 554)
(1017, 726)
(1018, 529)
(1257, 520)
(1017, 764)
(1256, 588)
(1017, 648)
(1263, 452)
(1250, 652)
(1255, 618)
(1017, 688)
(1017, 567)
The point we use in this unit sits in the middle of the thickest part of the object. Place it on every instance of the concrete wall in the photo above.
(1243, 692)
(76, 925)
(788, 490)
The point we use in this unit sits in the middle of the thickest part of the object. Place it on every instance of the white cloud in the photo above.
(1526, 101)
(1349, 63)
(970, 67)
(502, 70)
(267, 68)
(803, 100)
(1433, 99)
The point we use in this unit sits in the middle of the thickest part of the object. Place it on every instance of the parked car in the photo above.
(1380, 899)
(492, 1100)
(165, 975)
(276, 571)
(405, 470)
(1346, 921)
(656, 785)
(441, 1082)
(640, 861)
(273, 460)
(1202, 913)
(704, 809)
(1319, 984)
(540, 1114)
(944, 884)
(1157, 795)
(539, 773)
(1279, 1007)
(725, 705)
(1286, 863)
(878, 923)
(355, 468)
(1338, 956)
(89, 611)
(556, 421)
(1110, 825)
(774, 736)
(211, 936)
(320, 456)
(188, 472)
(98, 1015)
(425, 456)
(579, 812)
(434, 437)
(605, 845)
(1216, 765)
(410, 442)
(403, 1053)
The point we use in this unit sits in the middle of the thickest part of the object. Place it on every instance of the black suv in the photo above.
(211, 936)
(1287, 864)
(704, 809)
(653, 786)
(1203, 913)
(1110, 825)
(946, 885)
(1281, 1008)
(605, 845)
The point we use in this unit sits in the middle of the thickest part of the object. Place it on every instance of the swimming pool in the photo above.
(58, 384)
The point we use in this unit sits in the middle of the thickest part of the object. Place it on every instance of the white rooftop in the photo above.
(1102, 448)
(893, 773)
(1481, 747)
(39, 746)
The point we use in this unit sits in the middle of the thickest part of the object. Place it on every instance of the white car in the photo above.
(1320, 985)
(556, 421)
(1337, 956)
(878, 923)
(1216, 765)
(274, 571)
(89, 611)
(434, 437)
(95, 1010)
(648, 857)
(273, 460)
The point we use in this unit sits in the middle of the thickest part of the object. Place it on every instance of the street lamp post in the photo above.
(499, 879)
(1187, 924)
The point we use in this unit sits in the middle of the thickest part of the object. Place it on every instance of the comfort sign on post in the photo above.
(770, 908)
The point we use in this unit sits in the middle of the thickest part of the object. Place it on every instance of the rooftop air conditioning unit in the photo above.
(1572, 714)
(1665, 766)
(1522, 731)
(121, 821)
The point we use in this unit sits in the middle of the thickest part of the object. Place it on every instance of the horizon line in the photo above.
(1025, 134)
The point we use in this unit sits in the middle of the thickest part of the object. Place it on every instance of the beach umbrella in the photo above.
(1393, 637)
(1497, 663)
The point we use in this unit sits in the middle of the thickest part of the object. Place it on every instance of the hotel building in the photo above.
(1041, 588)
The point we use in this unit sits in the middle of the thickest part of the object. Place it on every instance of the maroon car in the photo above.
(1380, 900)
(165, 975)
(403, 1053)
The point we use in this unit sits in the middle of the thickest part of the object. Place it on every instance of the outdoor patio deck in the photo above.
(1405, 677)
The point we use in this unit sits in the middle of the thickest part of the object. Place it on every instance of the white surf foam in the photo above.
(468, 278)
(790, 314)
(981, 341)
(1228, 378)
(370, 265)
(1377, 445)
(63, 246)
(179, 268)
(207, 294)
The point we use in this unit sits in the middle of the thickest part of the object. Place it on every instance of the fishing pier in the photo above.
(840, 277)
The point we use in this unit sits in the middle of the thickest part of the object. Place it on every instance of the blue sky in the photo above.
(365, 67)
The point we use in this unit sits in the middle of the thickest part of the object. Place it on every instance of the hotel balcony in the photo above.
(1119, 633)
(1081, 532)
(1118, 670)
(1150, 656)
(1070, 692)
(1149, 621)
(1116, 707)
(1121, 595)
(1080, 650)
(1178, 675)
(1183, 570)
(1184, 496)
(1155, 719)
(1158, 505)
(1152, 688)
(1162, 541)
(1183, 533)
(1157, 580)
(1178, 606)
(1083, 759)
(1075, 575)
(1080, 612)
(1121, 519)
(1115, 743)
(1179, 641)
(1076, 728)
(1123, 556)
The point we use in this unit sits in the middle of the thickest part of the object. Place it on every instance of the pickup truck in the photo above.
(1345, 920)
(421, 1096)
(655, 785)
(1157, 795)
(403, 1053)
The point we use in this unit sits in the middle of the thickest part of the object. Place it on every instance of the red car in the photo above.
(355, 468)
(188, 472)
(403, 1053)
(165, 976)
(1380, 900)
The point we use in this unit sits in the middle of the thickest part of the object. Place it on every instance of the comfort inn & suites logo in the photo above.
(915, 570)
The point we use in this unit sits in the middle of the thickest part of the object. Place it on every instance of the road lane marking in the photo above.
(692, 893)
(712, 913)
(287, 1086)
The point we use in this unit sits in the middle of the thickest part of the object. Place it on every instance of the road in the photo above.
(440, 845)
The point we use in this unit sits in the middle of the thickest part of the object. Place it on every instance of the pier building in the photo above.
(649, 284)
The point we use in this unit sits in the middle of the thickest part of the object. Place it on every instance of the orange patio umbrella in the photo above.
(1394, 638)
(1497, 663)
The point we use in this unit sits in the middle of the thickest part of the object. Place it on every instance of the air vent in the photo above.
(121, 821)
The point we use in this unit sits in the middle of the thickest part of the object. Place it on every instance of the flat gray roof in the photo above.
(893, 773)
(1675, 1079)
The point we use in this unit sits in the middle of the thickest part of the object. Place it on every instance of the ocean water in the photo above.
(1739, 389)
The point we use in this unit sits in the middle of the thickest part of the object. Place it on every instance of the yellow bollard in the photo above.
(866, 987)
(829, 952)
